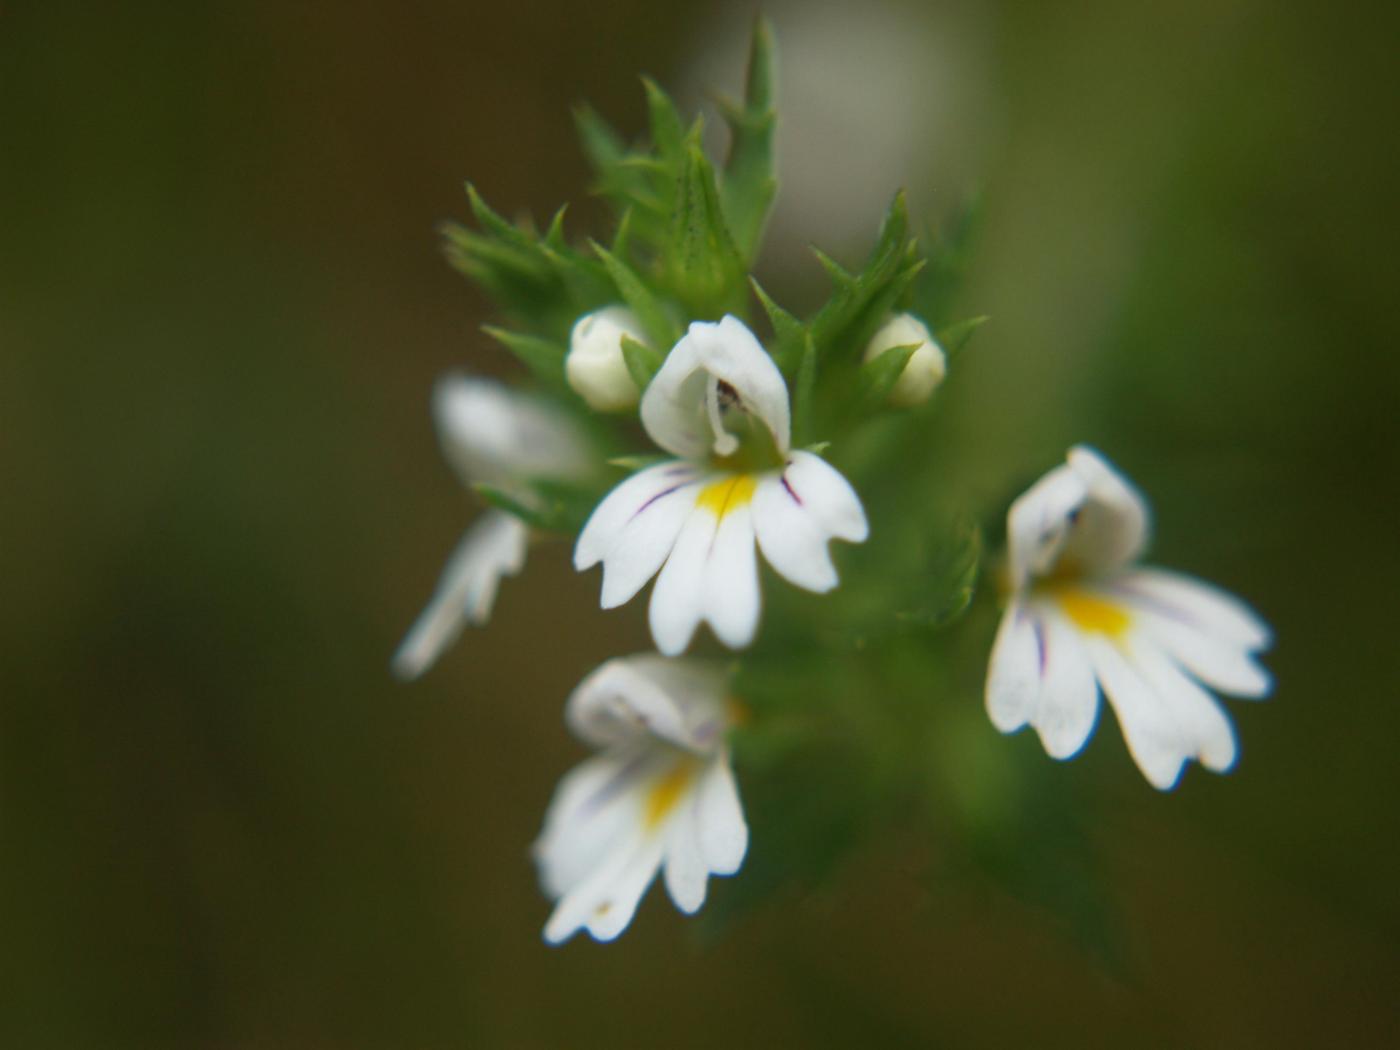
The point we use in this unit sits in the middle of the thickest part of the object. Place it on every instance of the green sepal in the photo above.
(635, 463)
(802, 394)
(956, 336)
(556, 507)
(642, 361)
(879, 375)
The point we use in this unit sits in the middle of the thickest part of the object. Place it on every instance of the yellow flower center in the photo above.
(1092, 613)
(667, 791)
(727, 494)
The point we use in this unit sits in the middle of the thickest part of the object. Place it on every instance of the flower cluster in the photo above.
(775, 446)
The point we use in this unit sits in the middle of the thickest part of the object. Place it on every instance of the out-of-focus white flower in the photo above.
(595, 367)
(926, 366)
(1083, 616)
(489, 433)
(696, 519)
(661, 795)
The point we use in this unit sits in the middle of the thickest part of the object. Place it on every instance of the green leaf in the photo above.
(543, 357)
(642, 361)
(749, 184)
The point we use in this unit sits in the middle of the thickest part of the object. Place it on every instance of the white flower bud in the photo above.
(926, 366)
(595, 367)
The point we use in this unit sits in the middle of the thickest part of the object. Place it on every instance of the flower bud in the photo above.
(925, 368)
(595, 367)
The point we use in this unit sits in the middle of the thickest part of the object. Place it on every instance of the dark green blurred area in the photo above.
(221, 310)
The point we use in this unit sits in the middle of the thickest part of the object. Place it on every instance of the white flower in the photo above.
(1083, 616)
(660, 795)
(926, 366)
(696, 519)
(595, 367)
(489, 433)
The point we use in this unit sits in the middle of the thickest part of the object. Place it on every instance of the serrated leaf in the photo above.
(705, 267)
(667, 131)
(749, 185)
(643, 301)
(642, 361)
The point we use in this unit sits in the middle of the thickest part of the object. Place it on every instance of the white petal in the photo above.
(673, 406)
(790, 538)
(1112, 527)
(645, 543)
(686, 871)
(611, 884)
(1069, 697)
(1038, 523)
(827, 496)
(1083, 515)
(595, 811)
(1217, 662)
(1013, 676)
(731, 602)
(1203, 725)
(1197, 603)
(678, 599)
(678, 701)
(493, 547)
(492, 433)
(613, 913)
(621, 505)
(1151, 733)
(724, 836)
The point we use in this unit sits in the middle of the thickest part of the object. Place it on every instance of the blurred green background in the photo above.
(221, 311)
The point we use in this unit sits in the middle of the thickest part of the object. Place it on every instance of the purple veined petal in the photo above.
(624, 503)
(818, 487)
(790, 538)
(1194, 603)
